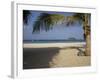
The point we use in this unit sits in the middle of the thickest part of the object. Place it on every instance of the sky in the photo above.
(59, 32)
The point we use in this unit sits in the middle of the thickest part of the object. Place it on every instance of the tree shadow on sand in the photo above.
(38, 57)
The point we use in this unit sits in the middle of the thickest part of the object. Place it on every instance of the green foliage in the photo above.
(26, 14)
(46, 21)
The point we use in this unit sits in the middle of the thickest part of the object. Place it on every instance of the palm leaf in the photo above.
(45, 21)
(26, 14)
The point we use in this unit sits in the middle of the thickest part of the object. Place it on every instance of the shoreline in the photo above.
(60, 45)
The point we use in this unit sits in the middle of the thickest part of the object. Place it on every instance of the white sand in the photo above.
(68, 58)
(60, 45)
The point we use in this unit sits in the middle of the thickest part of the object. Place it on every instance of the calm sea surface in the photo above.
(52, 41)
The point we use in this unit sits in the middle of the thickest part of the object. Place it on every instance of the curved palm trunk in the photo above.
(87, 35)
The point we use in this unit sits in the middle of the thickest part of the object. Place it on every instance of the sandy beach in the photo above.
(54, 55)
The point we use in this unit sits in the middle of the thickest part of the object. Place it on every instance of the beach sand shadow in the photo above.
(38, 57)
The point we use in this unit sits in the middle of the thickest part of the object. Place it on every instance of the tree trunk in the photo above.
(88, 45)
(87, 32)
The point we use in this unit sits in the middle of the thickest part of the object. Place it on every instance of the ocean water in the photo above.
(52, 41)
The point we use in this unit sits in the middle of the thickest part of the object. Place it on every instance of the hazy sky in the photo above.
(60, 31)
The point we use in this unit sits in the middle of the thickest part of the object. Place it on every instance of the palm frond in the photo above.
(26, 14)
(45, 21)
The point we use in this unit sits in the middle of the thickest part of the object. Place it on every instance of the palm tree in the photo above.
(26, 14)
(87, 34)
(46, 21)
(85, 18)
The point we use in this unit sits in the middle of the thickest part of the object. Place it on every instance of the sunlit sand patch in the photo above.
(68, 58)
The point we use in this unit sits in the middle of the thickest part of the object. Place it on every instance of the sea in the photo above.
(52, 41)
